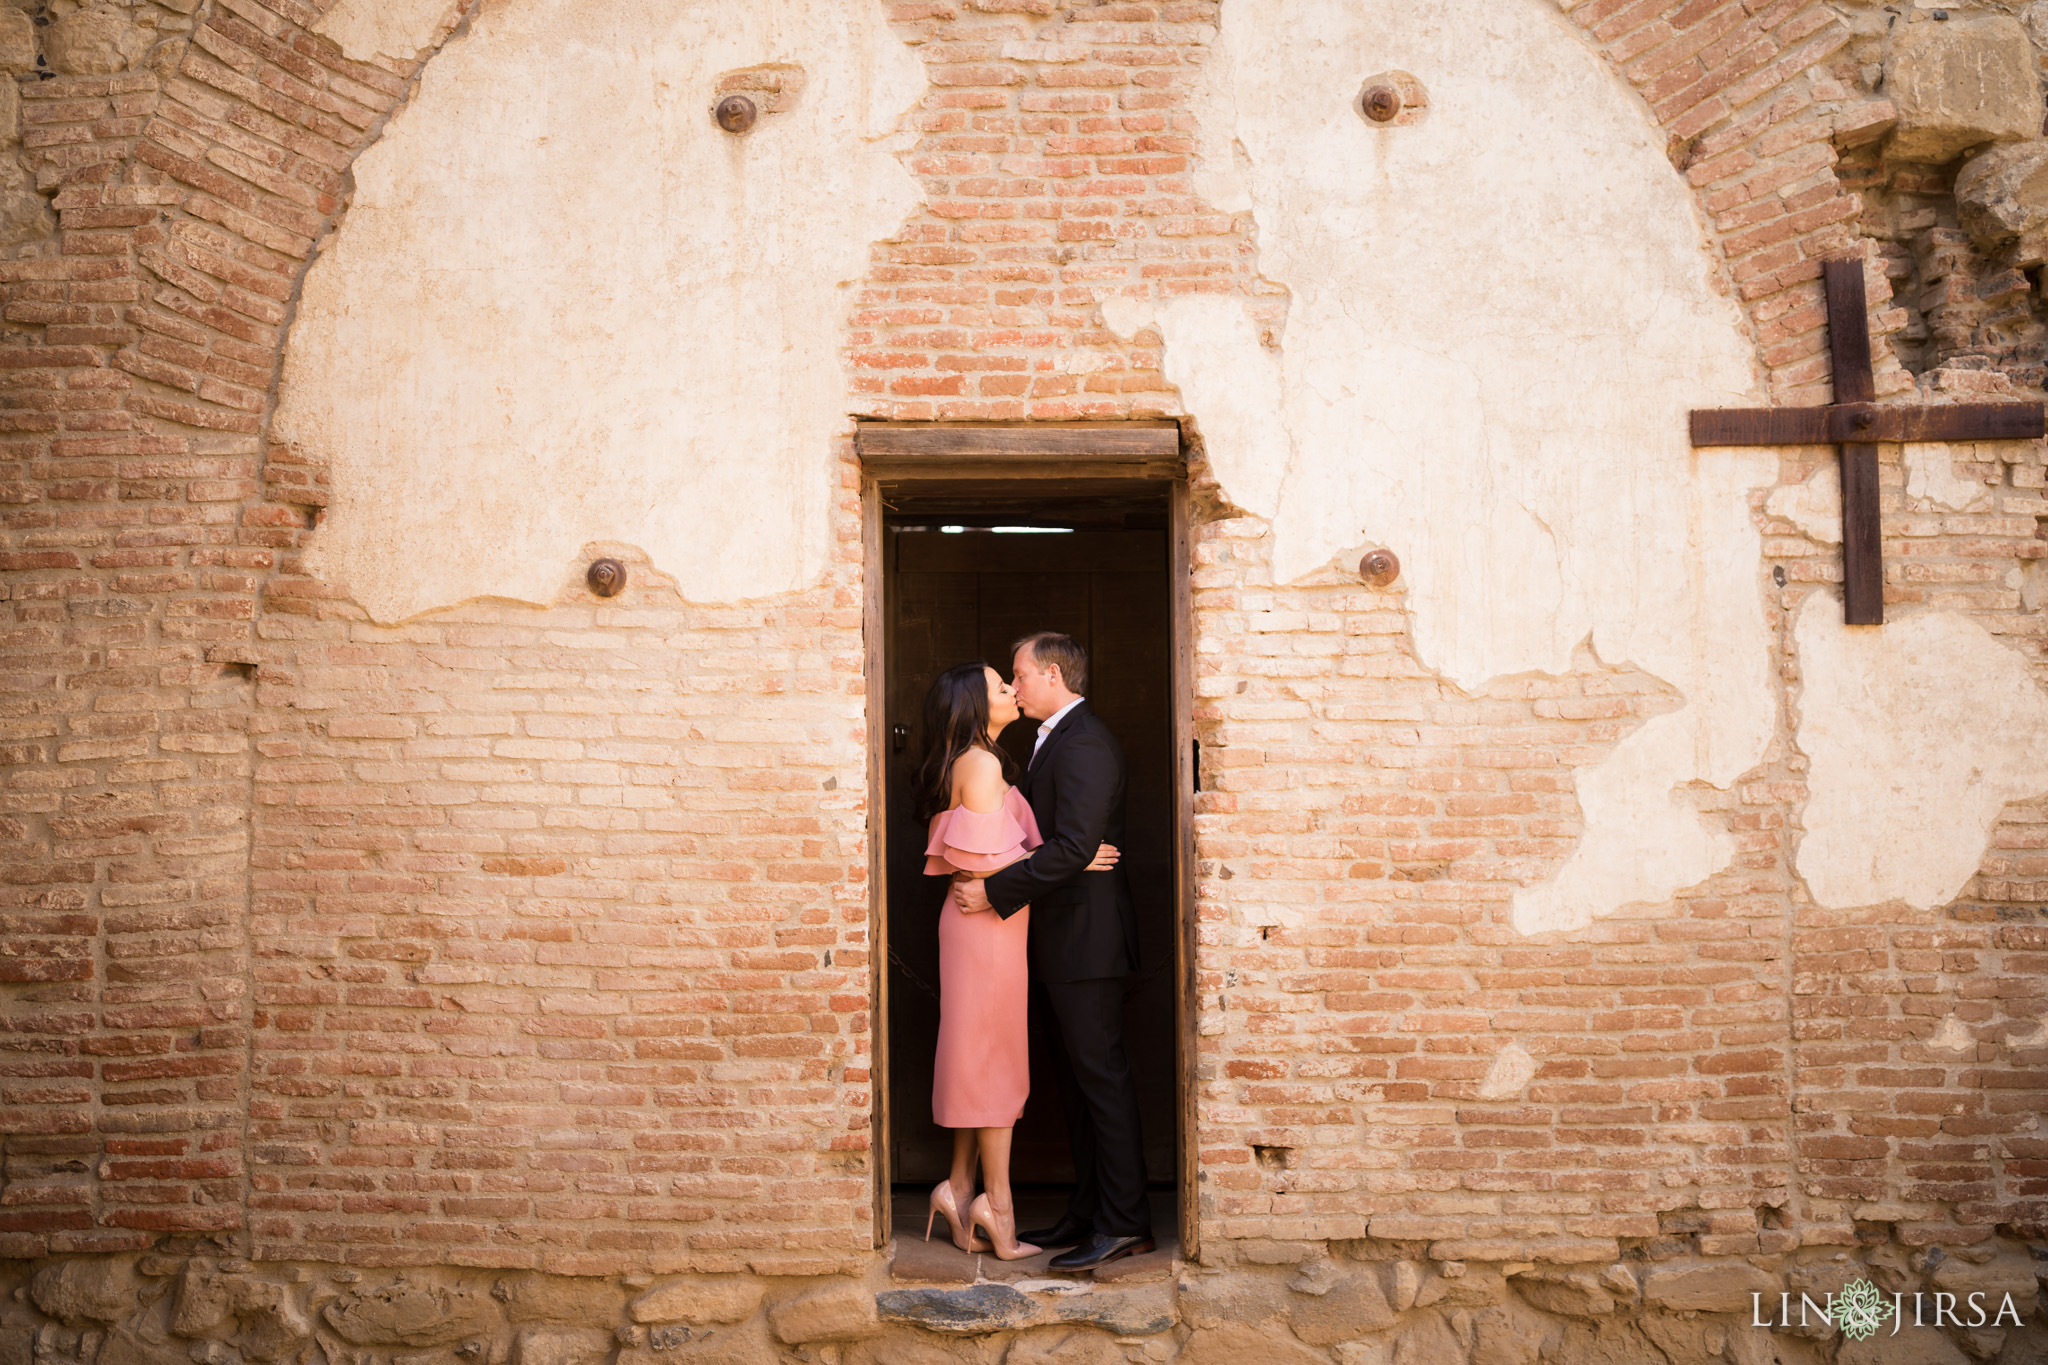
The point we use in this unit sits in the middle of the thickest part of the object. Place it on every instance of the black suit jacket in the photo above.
(1082, 924)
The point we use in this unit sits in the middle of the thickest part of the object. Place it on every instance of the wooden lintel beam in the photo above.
(1096, 442)
(1866, 423)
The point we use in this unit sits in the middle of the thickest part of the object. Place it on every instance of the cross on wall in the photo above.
(1854, 424)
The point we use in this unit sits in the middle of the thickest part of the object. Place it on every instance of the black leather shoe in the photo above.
(1101, 1249)
(1065, 1233)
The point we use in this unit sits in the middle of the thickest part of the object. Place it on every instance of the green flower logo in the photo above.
(1860, 1309)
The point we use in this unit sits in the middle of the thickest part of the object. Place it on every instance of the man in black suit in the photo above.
(1084, 941)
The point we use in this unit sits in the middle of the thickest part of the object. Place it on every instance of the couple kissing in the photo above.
(1037, 930)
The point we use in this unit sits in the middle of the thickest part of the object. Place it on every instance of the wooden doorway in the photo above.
(976, 535)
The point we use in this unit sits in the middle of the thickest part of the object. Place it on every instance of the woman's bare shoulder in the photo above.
(975, 762)
(978, 781)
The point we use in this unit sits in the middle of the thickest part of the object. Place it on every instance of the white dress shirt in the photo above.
(1045, 726)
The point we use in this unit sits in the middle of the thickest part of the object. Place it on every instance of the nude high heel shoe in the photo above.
(943, 1202)
(1001, 1229)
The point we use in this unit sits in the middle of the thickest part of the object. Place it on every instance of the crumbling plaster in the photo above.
(564, 306)
(1918, 735)
(544, 380)
(1498, 319)
(397, 30)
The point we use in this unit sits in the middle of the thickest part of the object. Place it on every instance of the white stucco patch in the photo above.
(1918, 733)
(1930, 475)
(1815, 506)
(1509, 1074)
(1498, 321)
(565, 306)
(399, 29)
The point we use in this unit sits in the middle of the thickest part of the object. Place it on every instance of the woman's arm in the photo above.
(978, 782)
(1085, 787)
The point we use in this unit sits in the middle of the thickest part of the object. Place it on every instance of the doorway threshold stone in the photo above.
(1145, 1269)
(985, 1308)
(912, 1260)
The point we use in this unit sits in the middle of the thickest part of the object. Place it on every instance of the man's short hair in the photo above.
(1049, 647)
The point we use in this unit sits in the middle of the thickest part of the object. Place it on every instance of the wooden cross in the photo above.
(1855, 424)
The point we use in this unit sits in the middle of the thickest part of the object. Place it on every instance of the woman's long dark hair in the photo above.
(955, 720)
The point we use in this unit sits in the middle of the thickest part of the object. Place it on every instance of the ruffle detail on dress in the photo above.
(976, 831)
(964, 840)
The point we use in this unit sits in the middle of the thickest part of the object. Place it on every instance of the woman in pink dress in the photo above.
(982, 1073)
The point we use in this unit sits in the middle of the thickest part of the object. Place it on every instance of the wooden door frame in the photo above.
(1108, 457)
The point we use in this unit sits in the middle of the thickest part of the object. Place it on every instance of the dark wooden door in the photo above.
(952, 597)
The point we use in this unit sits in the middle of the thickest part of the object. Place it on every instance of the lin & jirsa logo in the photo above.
(1861, 1309)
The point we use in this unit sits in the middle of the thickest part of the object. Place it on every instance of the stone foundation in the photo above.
(1355, 1303)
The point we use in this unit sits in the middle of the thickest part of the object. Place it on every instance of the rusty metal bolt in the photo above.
(1382, 103)
(735, 113)
(607, 577)
(1379, 567)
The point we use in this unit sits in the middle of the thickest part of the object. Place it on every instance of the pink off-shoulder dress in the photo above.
(982, 1074)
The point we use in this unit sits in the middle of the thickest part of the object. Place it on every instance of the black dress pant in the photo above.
(1081, 1025)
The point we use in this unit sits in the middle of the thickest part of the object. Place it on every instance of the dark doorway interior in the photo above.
(961, 581)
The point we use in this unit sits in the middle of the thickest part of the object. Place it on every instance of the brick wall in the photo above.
(1056, 156)
(559, 923)
(1362, 828)
(142, 342)
(519, 936)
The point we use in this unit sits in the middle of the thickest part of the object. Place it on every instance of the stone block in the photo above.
(1575, 1294)
(122, 1347)
(1910, 1347)
(273, 1324)
(202, 1300)
(971, 1312)
(561, 1346)
(1607, 1341)
(1959, 84)
(744, 1344)
(1508, 1335)
(17, 42)
(2002, 193)
(1071, 1346)
(1749, 1344)
(1366, 1351)
(1352, 1307)
(908, 1346)
(1619, 1280)
(1141, 1269)
(1822, 1278)
(1722, 1288)
(833, 1312)
(410, 1313)
(920, 1262)
(1864, 123)
(1686, 1341)
(564, 1300)
(1477, 1287)
(1317, 1277)
(88, 1289)
(1136, 1312)
(1209, 1300)
(1427, 1339)
(1234, 1343)
(699, 1299)
(94, 42)
(2007, 1273)
(1401, 1281)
